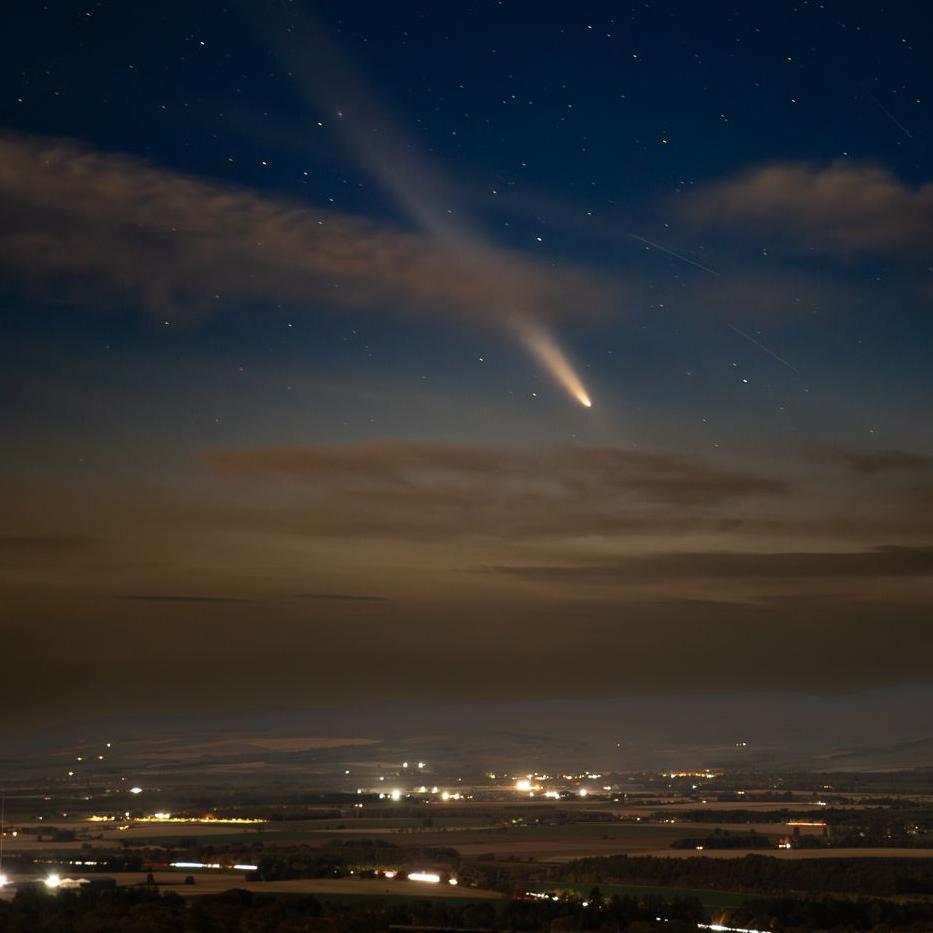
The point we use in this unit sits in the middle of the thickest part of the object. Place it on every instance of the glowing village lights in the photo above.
(215, 865)
(165, 817)
(720, 928)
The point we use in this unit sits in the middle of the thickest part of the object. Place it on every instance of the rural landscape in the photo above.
(466, 466)
(346, 841)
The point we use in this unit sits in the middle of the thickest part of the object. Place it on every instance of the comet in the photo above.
(411, 178)
(545, 349)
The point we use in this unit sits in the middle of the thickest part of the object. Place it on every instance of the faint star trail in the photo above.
(670, 252)
(887, 113)
(761, 346)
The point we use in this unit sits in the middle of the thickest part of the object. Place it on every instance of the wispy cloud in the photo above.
(103, 229)
(169, 598)
(34, 544)
(344, 597)
(839, 207)
(885, 561)
(870, 462)
(404, 489)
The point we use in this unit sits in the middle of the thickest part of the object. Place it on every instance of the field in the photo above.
(543, 841)
(515, 831)
(796, 853)
(498, 841)
(342, 888)
(711, 899)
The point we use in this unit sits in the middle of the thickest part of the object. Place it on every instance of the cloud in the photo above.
(156, 598)
(400, 489)
(344, 597)
(884, 561)
(649, 560)
(839, 207)
(34, 544)
(870, 462)
(387, 460)
(103, 229)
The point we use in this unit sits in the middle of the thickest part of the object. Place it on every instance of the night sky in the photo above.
(301, 305)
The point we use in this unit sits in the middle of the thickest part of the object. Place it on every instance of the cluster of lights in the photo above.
(54, 881)
(213, 865)
(719, 928)
(396, 794)
(429, 877)
(163, 817)
(551, 897)
(529, 785)
(708, 775)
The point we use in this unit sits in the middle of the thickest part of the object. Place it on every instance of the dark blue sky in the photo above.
(576, 126)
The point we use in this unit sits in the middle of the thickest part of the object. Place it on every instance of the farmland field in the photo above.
(218, 882)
